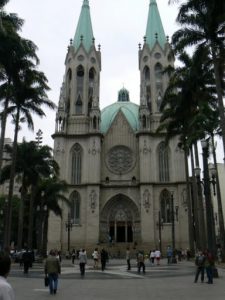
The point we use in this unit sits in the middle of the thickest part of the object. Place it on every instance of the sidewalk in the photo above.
(174, 282)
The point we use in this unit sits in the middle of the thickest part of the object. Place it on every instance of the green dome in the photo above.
(123, 95)
(129, 109)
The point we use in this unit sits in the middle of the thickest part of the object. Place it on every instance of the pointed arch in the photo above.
(166, 206)
(91, 88)
(95, 122)
(75, 201)
(158, 72)
(163, 162)
(76, 164)
(144, 122)
(80, 79)
(78, 106)
(146, 73)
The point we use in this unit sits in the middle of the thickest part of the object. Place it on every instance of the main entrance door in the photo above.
(119, 220)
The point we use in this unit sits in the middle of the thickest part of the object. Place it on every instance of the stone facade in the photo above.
(121, 177)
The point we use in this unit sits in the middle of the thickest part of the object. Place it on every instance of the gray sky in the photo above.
(118, 25)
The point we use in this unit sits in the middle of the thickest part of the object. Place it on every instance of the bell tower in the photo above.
(77, 137)
(78, 110)
(154, 56)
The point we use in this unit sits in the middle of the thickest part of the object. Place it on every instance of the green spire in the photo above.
(154, 31)
(84, 32)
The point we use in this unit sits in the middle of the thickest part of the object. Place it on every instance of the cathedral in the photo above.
(126, 186)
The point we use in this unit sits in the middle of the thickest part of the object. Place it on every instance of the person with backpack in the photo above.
(209, 265)
(141, 261)
(200, 264)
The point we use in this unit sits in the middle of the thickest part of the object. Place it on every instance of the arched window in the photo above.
(146, 72)
(80, 79)
(163, 159)
(144, 122)
(76, 164)
(78, 106)
(95, 122)
(166, 206)
(75, 207)
(158, 73)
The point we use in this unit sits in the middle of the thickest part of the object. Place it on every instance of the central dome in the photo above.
(129, 109)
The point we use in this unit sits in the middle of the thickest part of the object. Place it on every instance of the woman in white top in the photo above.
(152, 257)
(158, 256)
(95, 256)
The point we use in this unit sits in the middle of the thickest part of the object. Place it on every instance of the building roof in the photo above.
(154, 26)
(84, 32)
(129, 109)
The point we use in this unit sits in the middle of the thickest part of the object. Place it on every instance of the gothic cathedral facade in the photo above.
(125, 185)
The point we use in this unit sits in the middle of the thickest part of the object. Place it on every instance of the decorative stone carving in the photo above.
(94, 150)
(146, 200)
(93, 200)
(120, 159)
(145, 150)
(184, 199)
(58, 150)
(121, 215)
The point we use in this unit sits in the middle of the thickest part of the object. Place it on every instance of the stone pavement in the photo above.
(171, 282)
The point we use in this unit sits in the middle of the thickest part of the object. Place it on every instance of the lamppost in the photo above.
(211, 243)
(69, 226)
(160, 226)
(173, 213)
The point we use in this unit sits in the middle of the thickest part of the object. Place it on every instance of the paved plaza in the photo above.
(171, 282)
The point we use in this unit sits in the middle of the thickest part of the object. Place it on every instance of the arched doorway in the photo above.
(120, 220)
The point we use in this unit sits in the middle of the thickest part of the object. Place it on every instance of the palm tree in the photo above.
(203, 25)
(10, 49)
(49, 195)
(33, 163)
(29, 92)
(188, 102)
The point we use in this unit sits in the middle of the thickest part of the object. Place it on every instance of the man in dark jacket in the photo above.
(104, 257)
(27, 261)
(200, 264)
(52, 270)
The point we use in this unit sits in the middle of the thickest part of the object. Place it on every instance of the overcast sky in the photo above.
(118, 25)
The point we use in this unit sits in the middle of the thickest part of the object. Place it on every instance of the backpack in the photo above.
(200, 260)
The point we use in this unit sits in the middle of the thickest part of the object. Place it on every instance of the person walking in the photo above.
(73, 256)
(157, 256)
(169, 254)
(95, 256)
(6, 291)
(128, 258)
(104, 257)
(200, 264)
(82, 261)
(152, 257)
(52, 270)
(27, 261)
(209, 264)
(141, 261)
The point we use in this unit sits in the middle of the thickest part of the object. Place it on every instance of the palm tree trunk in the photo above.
(7, 237)
(31, 219)
(45, 234)
(3, 127)
(21, 216)
(195, 205)
(190, 219)
(201, 214)
(220, 96)
(219, 201)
